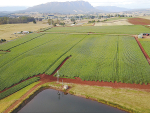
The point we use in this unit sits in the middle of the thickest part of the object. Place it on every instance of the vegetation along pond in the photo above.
(50, 101)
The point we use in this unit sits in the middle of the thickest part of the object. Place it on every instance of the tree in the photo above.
(34, 21)
(50, 21)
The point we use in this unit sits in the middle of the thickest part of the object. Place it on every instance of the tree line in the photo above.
(23, 19)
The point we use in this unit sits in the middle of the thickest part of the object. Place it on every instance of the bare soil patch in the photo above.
(139, 21)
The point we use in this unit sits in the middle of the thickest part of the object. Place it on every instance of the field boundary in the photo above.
(142, 49)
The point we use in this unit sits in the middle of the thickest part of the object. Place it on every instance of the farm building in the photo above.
(25, 32)
(144, 35)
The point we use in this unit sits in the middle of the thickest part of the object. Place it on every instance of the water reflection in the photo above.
(50, 101)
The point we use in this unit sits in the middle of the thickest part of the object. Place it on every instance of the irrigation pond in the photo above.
(53, 101)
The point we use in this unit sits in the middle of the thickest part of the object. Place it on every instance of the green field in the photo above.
(94, 57)
(107, 58)
(131, 29)
(146, 45)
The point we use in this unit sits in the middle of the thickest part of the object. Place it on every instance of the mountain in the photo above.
(74, 7)
(4, 13)
(13, 8)
(111, 8)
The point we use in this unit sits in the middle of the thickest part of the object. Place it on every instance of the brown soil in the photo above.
(142, 49)
(139, 21)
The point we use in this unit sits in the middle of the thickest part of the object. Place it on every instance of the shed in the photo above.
(25, 32)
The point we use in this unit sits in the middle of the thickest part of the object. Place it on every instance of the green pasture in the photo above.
(117, 18)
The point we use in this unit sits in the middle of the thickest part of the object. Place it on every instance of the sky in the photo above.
(131, 4)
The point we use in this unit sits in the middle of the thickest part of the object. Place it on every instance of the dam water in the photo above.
(53, 101)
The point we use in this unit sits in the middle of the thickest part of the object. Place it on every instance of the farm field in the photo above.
(108, 56)
(131, 29)
(139, 21)
(7, 31)
(113, 22)
(146, 44)
(114, 57)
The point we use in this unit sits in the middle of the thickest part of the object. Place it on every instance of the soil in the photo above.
(139, 21)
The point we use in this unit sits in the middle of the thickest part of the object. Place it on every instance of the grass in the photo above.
(127, 99)
(7, 31)
(117, 18)
(6, 102)
(131, 100)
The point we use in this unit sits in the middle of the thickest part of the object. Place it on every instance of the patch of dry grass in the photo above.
(128, 98)
(7, 31)
(113, 23)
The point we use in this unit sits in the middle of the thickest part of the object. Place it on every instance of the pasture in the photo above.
(7, 31)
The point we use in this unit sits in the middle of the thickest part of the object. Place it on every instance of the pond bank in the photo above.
(125, 99)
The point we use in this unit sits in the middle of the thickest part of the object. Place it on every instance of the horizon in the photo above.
(135, 4)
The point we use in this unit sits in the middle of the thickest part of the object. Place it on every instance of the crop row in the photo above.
(35, 57)
(19, 41)
(18, 87)
(107, 58)
(146, 45)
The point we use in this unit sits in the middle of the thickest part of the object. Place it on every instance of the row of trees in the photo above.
(7, 20)
(52, 22)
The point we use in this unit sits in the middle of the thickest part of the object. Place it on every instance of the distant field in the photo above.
(114, 22)
(139, 21)
(131, 29)
(7, 31)
(146, 17)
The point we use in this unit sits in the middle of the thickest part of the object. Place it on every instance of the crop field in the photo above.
(139, 21)
(131, 29)
(114, 22)
(107, 58)
(94, 57)
(146, 45)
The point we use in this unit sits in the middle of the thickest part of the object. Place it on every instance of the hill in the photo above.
(74, 7)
